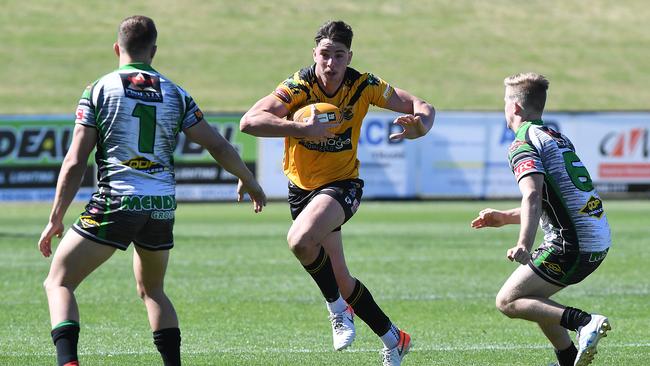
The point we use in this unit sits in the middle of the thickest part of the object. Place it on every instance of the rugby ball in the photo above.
(325, 113)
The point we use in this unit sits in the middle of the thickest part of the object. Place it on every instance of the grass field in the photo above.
(244, 300)
(228, 54)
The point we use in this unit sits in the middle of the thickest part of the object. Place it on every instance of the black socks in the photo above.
(65, 336)
(168, 342)
(367, 309)
(568, 356)
(321, 271)
(573, 318)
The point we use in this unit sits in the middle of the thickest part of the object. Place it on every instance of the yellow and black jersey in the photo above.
(310, 165)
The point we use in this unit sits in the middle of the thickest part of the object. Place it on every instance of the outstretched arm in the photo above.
(490, 217)
(224, 153)
(74, 165)
(418, 118)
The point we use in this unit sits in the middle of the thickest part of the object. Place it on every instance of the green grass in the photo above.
(228, 54)
(243, 299)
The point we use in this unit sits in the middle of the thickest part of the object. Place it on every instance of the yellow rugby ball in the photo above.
(325, 113)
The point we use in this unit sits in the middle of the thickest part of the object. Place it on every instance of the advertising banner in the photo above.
(32, 149)
(464, 156)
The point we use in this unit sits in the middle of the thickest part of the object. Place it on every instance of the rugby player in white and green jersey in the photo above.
(556, 190)
(132, 116)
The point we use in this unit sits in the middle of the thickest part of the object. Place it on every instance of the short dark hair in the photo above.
(337, 31)
(137, 35)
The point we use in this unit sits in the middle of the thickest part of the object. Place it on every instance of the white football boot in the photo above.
(343, 331)
(588, 337)
(393, 356)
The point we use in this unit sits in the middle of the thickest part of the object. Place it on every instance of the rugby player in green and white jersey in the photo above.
(556, 188)
(132, 116)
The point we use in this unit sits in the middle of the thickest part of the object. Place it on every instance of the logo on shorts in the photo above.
(162, 215)
(553, 267)
(144, 165)
(142, 203)
(597, 256)
(594, 207)
(355, 205)
(87, 222)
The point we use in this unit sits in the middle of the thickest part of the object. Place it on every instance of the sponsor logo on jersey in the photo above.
(142, 86)
(144, 165)
(140, 203)
(347, 112)
(524, 166)
(373, 80)
(87, 222)
(80, 114)
(283, 95)
(593, 207)
(198, 114)
(388, 92)
(559, 139)
(515, 145)
(339, 143)
(293, 86)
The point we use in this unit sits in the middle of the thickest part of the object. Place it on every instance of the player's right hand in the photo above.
(518, 254)
(489, 217)
(255, 192)
(45, 241)
(317, 131)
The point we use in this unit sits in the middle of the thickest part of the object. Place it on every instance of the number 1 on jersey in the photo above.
(147, 116)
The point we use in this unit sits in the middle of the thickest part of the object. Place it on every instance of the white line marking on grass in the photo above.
(479, 347)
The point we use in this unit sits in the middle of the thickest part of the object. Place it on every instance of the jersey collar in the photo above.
(137, 66)
(524, 126)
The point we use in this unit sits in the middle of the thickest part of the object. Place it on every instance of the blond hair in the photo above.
(528, 89)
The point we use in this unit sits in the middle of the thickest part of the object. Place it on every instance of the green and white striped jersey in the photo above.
(573, 214)
(138, 114)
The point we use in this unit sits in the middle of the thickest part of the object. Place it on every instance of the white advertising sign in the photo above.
(465, 155)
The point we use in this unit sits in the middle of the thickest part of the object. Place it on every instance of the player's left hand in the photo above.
(45, 241)
(412, 127)
(519, 253)
(255, 192)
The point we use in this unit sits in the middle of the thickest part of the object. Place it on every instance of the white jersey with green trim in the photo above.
(138, 114)
(572, 211)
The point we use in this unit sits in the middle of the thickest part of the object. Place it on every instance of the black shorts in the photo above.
(562, 268)
(147, 221)
(346, 192)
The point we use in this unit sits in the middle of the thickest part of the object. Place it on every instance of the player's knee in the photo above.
(140, 290)
(504, 305)
(46, 283)
(300, 242)
(152, 292)
(50, 284)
